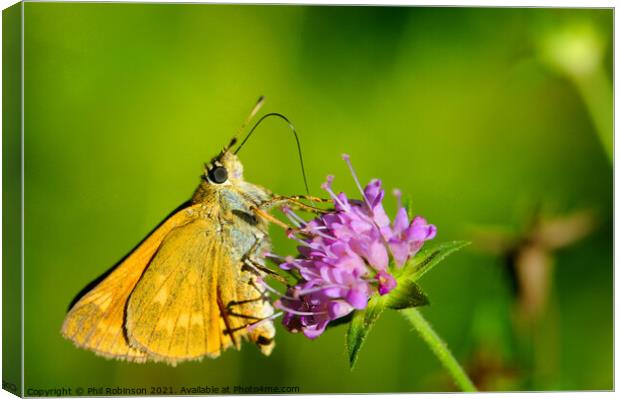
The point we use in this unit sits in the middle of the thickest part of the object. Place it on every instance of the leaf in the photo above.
(360, 326)
(407, 294)
(428, 258)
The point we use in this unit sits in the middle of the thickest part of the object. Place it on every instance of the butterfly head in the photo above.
(224, 167)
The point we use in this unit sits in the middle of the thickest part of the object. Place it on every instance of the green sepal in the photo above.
(428, 258)
(360, 326)
(340, 321)
(407, 294)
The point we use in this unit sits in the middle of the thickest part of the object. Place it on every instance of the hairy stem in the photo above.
(439, 348)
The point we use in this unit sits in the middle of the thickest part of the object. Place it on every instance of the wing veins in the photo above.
(165, 306)
(224, 316)
(202, 300)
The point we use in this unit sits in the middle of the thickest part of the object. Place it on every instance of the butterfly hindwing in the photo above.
(96, 321)
(195, 299)
(170, 311)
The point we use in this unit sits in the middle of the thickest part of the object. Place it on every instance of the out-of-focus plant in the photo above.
(577, 50)
(529, 256)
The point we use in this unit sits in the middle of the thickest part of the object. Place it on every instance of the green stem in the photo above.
(439, 348)
(597, 92)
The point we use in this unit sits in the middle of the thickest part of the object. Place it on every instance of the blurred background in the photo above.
(497, 122)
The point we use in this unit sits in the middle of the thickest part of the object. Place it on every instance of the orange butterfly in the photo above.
(190, 289)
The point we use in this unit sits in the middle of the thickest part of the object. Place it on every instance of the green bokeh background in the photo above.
(460, 108)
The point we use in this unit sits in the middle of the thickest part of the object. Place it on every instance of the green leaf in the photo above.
(428, 258)
(407, 294)
(360, 326)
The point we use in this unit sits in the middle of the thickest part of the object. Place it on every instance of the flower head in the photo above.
(345, 256)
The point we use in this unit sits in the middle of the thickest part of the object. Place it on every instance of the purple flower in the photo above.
(385, 281)
(310, 312)
(407, 238)
(344, 257)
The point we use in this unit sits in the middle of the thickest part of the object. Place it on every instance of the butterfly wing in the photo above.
(195, 299)
(96, 321)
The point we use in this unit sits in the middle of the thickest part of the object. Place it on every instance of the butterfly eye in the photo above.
(218, 175)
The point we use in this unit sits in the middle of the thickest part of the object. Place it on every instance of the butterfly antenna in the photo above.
(257, 107)
(290, 125)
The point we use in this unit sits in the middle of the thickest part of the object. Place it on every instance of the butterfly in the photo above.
(192, 288)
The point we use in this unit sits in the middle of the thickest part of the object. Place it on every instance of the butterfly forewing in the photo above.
(172, 313)
(96, 321)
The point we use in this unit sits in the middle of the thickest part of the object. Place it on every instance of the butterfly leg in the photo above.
(260, 270)
(263, 296)
(248, 307)
(310, 198)
(295, 202)
(261, 210)
(262, 213)
(261, 330)
(243, 304)
(257, 313)
(225, 314)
